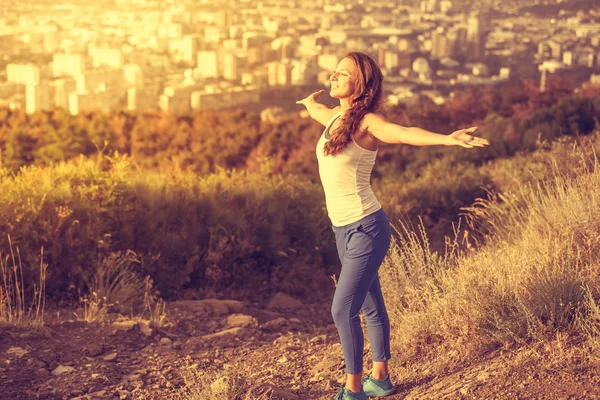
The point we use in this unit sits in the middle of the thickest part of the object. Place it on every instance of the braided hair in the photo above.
(365, 99)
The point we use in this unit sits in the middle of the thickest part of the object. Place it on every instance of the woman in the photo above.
(346, 154)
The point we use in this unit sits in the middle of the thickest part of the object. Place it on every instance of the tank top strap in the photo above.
(331, 121)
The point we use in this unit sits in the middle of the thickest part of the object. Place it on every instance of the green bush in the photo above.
(229, 229)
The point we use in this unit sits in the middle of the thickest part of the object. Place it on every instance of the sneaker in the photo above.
(376, 388)
(347, 394)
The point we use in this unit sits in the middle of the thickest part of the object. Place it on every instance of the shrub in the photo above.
(224, 230)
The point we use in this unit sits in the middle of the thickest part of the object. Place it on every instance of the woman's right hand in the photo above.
(311, 98)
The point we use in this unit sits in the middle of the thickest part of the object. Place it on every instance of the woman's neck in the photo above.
(345, 103)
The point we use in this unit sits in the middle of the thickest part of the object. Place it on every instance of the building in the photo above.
(133, 75)
(230, 66)
(99, 80)
(103, 56)
(103, 101)
(68, 64)
(27, 74)
(475, 44)
(63, 87)
(279, 73)
(208, 65)
(225, 98)
(212, 34)
(37, 97)
(189, 48)
(176, 99)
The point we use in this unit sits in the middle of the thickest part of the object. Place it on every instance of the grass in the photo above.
(537, 275)
(14, 308)
(227, 384)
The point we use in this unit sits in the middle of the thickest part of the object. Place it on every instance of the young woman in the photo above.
(346, 154)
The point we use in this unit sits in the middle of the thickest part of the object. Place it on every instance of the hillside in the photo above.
(147, 256)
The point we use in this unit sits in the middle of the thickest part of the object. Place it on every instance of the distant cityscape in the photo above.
(197, 55)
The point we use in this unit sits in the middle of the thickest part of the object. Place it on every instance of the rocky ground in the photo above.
(280, 349)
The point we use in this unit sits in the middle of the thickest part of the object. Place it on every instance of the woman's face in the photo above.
(343, 79)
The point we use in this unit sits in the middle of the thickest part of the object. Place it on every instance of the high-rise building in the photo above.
(99, 80)
(189, 48)
(280, 73)
(223, 19)
(439, 44)
(430, 6)
(37, 97)
(68, 64)
(102, 101)
(475, 43)
(170, 30)
(176, 99)
(27, 74)
(134, 75)
(141, 99)
(230, 66)
(391, 61)
(63, 87)
(208, 65)
(105, 56)
(212, 34)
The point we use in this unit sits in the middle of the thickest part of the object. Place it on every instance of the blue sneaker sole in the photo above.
(383, 393)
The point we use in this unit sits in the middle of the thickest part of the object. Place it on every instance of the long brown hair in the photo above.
(365, 99)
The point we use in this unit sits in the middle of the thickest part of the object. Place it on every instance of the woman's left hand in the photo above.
(462, 138)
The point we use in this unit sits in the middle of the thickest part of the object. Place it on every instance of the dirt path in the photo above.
(293, 349)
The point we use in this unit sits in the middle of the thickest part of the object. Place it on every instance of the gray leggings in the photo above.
(362, 246)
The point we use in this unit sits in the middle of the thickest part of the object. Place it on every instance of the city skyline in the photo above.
(146, 55)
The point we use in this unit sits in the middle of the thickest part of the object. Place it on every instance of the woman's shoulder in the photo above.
(371, 118)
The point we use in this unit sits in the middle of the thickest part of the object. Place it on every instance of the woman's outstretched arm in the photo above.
(317, 111)
(389, 132)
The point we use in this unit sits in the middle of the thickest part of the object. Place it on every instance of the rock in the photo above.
(317, 339)
(125, 326)
(223, 337)
(282, 340)
(134, 377)
(62, 369)
(145, 328)
(166, 341)
(278, 324)
(110, 357)
(230, 334)
(94, 349)
(483, 376)
(17, 351)
(282, 301)
(241, 320)
(328, 364)
(282, 360)
(266, 390)
(211, 307)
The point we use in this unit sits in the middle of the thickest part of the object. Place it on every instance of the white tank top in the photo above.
(346, 180)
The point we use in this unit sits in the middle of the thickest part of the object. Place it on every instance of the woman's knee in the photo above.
(339, 313)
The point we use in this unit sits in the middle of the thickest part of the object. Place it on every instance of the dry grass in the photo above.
(154, 306)
(114, 284)
(226, 384)
(538, 276)
(13, 302)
